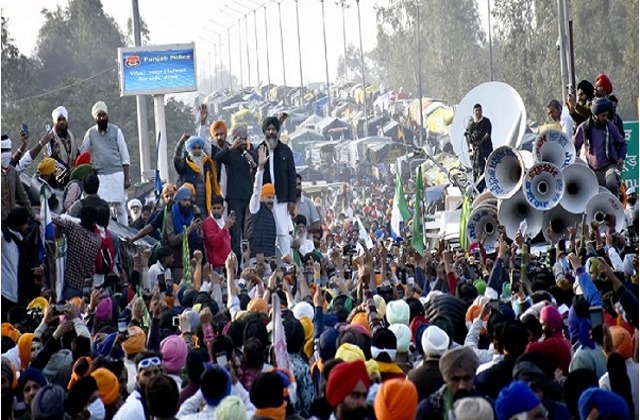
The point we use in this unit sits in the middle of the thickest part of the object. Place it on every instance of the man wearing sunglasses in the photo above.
(148, 366)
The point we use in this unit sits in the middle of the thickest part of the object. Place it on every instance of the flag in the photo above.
(186, 259)
(362, 233)
(158, 182)
(466, 210)
(47, 230)
(399, 212)
(417, 227)
(61, 266)
(279, 338)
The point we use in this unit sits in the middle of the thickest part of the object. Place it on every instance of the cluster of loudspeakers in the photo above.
(549, 185)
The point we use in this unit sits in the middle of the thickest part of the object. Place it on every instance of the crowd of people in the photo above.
(258, 302)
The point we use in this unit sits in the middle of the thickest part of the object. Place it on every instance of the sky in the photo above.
(199, 20)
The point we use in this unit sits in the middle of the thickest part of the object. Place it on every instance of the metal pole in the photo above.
(246, 39)
(420, 77)
(299, 47)
(284, 72)
(266, 39)
(490, 43)
(562, 32)
(572, 58)
(255, 34)
(141, 106)
(229, 45)
(216, 85)
(364, 83)
(343, 5)
(210, 73)
(161, 128)
(220, 60)
(326, 60)
(240, 52)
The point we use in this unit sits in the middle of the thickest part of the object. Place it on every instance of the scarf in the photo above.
(180, 221)
(274, 413)
(211, 186)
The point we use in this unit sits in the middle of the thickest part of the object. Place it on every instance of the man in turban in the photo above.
(110, 159)
(198, 169)
(603, 86)
(605, 147)
(148, 364)
(281, 172)
(458, 367)
(260, 227)
(578, 104)
(46, 174)
(13, 192)
(347, 390)
(62, 147)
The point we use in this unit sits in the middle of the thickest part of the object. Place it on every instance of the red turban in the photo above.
(83, 158)
(344, 378)
(604, 81)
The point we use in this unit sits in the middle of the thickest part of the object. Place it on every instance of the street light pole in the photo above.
(420, 76)
(229, 46)
(284, 72)
(141, 104)
(364, 83)
(266, 38)
(326, 60)
(240, 15)
(255, 34)
(490, 44)
(299, 47)
(343, 5)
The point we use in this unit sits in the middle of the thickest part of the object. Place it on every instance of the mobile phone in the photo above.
(232, 213)
(59, 309)
(176, 321)
(25, 128)
(168, 286)
(221, 359)
(122, 326)
(162, 284)
(595, 316)
(245, 245)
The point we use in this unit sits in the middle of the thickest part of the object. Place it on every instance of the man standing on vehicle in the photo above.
(478, 136)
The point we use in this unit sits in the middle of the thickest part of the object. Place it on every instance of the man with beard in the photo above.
(215, 136)
(182, 220)
(605, 148)
(305, 207)
(281, 173)
(13, 192)
(197, 169)
(347, 390)
(260, 228)
(239, 164)
(578, 104)
(62, 147)
(148, 365)
(216, 236)
(110, 159)
(155, 226)
(47, 175)
(478, 136)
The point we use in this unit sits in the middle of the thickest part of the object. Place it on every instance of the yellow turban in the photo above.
(349, 352)
(267, 190)
(47, 166)
(136, 341)
(258, 305)
(38, 302)
(307, 325)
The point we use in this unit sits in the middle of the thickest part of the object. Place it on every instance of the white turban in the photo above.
(5, 144)
(58, 112)
(97, 108)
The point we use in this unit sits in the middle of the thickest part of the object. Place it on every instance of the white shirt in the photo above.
(195, 407)
(156, 270)
(566, 122)
(10, 260)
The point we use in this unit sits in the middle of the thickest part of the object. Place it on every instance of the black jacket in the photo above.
(284, 169)
(239, 175)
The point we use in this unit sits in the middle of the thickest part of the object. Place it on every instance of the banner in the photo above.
(157, 69)
(632, 137)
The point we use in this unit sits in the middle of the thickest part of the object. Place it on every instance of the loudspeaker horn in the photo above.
(516, 209)
(555, 147)
(485, 198)
(580, 184)
(504, 172)
(483, 220)
(560, 220)
(543, 186)
(604, 205)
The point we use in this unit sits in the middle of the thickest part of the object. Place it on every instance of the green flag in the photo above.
(186, 260)
(417, 228)
(399, 211)
(466, 210)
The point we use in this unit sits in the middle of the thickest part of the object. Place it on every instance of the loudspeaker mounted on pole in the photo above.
(504, 172)
(543, 186)
(516, 209)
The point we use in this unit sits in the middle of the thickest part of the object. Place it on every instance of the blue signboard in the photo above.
(157, 69)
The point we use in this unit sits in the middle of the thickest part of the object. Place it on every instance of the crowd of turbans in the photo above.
(358, 326)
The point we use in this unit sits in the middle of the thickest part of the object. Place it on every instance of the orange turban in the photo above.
(397, 399)
(361, 319)
(136, 341)
(258, 305)
(215, 126)
(10, 331)
(472, 313)
(108, 386)
(24, 349)
(81, 369)
(267, 190)
(622, 341)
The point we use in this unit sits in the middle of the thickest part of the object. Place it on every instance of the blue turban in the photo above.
(608, 404)
(181, 194)
(600, 105)
(193, 142)
(30, 374)
(515, 399)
